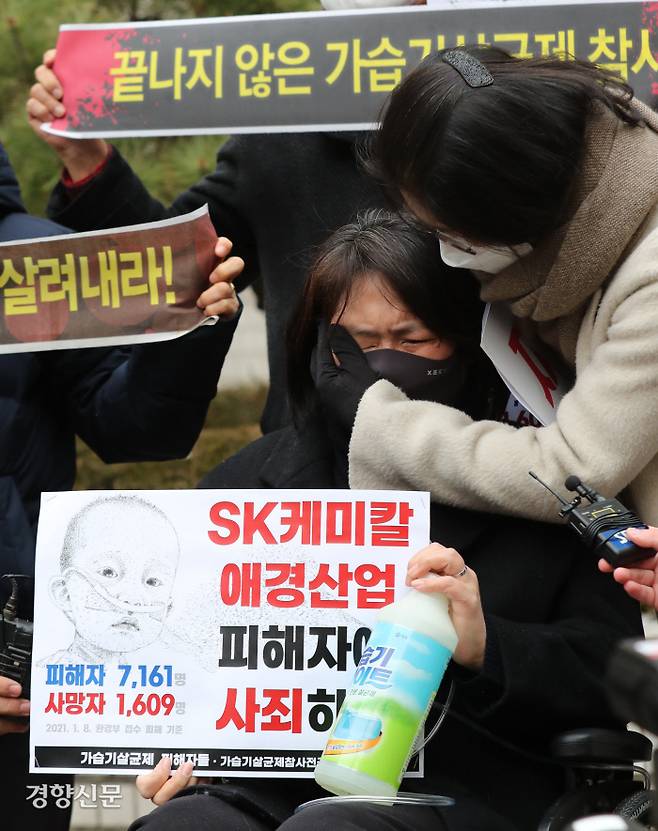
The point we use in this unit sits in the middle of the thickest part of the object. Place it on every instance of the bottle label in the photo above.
(394, 686)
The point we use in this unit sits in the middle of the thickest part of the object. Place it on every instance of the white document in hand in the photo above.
(535, 375)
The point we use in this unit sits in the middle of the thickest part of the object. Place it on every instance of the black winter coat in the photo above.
(275, 196)
(144, 403)
(552, 620)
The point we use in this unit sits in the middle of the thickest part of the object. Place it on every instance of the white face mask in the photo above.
(346, 5)
(491, 260)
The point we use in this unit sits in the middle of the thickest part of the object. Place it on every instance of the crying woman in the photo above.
(380, 281)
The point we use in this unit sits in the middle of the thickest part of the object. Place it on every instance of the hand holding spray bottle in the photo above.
(393, 689)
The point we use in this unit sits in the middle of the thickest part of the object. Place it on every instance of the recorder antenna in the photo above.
(550, 490)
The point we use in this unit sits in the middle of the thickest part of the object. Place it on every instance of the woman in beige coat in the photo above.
(541, 176)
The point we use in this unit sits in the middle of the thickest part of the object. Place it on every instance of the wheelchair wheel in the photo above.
(637, 806)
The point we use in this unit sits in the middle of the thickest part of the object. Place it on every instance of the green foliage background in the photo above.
(29, 27)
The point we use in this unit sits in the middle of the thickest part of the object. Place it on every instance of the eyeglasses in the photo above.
(460, 245)
(442, 236)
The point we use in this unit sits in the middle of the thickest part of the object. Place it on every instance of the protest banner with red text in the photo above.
(216, 626)
(536, 376)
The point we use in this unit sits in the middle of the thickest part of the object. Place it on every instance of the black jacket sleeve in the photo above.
(142, 403)
(244, 468)
(558, 665)
(117, 197)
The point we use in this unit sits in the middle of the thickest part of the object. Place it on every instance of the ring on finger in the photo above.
(462, 572)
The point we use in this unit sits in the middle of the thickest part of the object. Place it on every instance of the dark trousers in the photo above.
(233, 809)
(17, 813)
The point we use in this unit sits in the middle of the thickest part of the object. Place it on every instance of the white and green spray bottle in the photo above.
(393, 689)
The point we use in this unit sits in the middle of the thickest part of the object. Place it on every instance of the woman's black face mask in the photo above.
(422, 379)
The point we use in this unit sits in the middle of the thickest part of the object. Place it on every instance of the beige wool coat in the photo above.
(606, 430)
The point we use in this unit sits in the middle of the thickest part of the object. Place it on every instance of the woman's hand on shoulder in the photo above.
(161, 785)
(436, 568)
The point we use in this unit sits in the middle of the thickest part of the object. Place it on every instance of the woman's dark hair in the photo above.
(495, 163)
(380, 243)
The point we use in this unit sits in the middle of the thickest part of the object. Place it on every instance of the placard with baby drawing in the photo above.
(216, 626)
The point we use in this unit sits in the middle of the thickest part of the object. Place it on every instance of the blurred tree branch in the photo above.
(22, 59)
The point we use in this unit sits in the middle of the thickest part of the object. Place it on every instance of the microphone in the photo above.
(600, 523)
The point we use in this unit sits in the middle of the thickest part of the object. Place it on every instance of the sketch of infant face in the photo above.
(118, 573)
